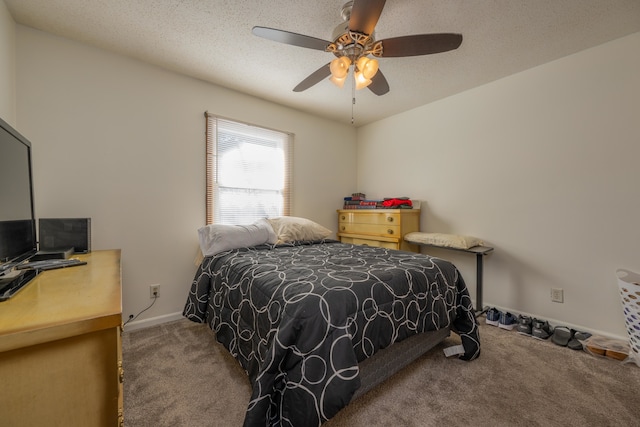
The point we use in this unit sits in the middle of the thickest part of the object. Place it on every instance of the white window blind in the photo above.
(248, 172)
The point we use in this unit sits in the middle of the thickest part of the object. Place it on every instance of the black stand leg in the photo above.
(479, 309)
(480, 251)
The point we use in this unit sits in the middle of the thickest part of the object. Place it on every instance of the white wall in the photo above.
(544, 165)
(122, 142)
(7, 66)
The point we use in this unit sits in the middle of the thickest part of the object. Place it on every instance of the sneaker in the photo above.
(507, 321)
(541, 329)
(493, 316)
(524, 325)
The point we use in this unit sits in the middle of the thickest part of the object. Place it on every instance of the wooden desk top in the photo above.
(65, 302)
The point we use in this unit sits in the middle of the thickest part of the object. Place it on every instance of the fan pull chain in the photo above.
(353, 102)
(353, 96)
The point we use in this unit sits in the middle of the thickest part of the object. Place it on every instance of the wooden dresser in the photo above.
(378, 227)
(60, 348)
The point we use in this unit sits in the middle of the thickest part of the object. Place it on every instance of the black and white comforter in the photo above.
(299, 317)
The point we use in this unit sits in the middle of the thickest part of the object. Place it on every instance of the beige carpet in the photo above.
(177, 375)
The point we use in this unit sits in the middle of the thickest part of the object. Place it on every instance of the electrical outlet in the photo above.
(154, 291)
(557, 295)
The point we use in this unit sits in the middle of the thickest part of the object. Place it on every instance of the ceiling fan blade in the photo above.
(420, 44)
(365, 15)
(290, 38)
(379, 84)
(314, 78)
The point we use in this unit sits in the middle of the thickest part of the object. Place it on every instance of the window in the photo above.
(248, 172)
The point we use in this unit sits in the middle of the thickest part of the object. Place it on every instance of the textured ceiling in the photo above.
(212, 40)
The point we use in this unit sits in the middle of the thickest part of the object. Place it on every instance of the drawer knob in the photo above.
(390, 231)
(343, 228)
(343, 217)
(390, 218)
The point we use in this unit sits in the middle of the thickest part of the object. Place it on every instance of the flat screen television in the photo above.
(17, 221)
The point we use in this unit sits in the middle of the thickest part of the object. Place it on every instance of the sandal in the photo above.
(562, 335)
(575, 342)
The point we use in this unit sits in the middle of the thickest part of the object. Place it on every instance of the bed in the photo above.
(311, 321)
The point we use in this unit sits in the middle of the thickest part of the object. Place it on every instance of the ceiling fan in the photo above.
(353, 43)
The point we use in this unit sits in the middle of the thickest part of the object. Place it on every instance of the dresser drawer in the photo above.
(368, 242)
(378, 218)
(370, 229)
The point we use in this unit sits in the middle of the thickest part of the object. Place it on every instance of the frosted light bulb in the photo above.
(338, 81)
(361, 80)
(368, 67)
(340, 67)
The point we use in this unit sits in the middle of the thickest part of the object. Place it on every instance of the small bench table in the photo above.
(480, 251)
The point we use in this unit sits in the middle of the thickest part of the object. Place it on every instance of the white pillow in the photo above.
(291, 228)
(216, 238)
(272, 238)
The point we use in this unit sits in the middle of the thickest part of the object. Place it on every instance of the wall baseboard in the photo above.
(146, 323)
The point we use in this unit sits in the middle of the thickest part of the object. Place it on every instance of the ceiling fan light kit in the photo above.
(365, 70)
(353, 43)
